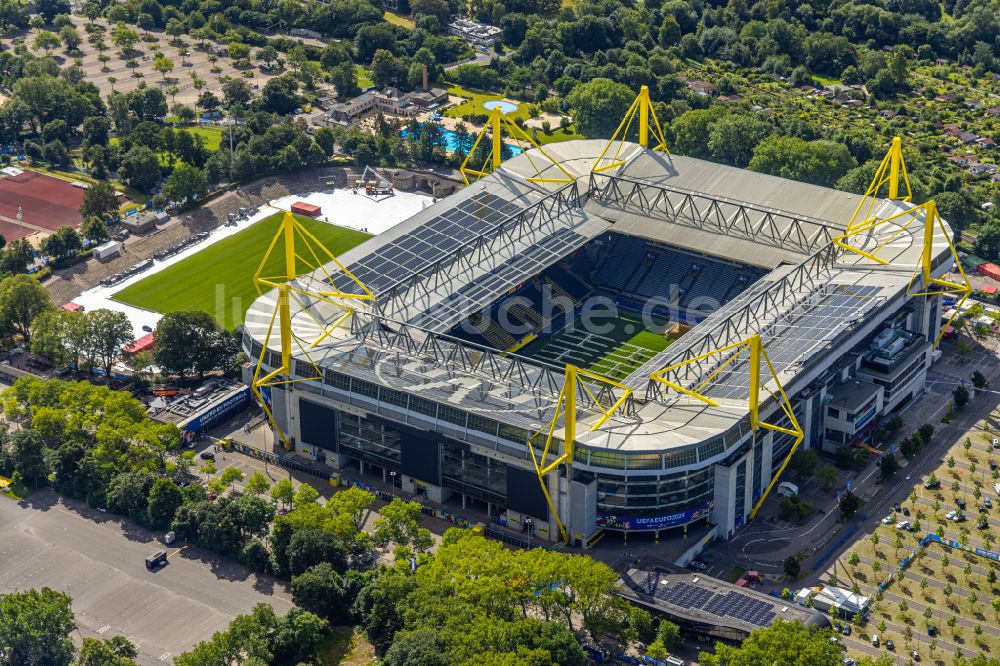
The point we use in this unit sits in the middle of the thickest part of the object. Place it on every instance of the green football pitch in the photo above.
(219, 279)
(613, 349)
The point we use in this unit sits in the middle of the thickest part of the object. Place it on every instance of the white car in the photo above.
(903, 525)
(888, 520)
(950, 515)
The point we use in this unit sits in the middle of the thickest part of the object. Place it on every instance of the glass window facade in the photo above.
(655, 494)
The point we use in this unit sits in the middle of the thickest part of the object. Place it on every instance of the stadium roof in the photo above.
(472, 247)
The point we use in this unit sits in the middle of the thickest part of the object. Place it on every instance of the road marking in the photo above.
(103, 629)
(165, 656)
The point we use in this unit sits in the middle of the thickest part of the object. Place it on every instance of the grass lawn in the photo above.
(557, 135)
(219, 279)
(826, 81)
(612, 353)
(396, 19)
(364, 80)
(346, 646)
(474, 104)
(211, 135)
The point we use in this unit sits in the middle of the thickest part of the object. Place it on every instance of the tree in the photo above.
(231, 475)
(734, 137)
(124, 38)
(827, 476)
(185, 183)
(792, 567)
(191, 341)
(163, 65)
(599, 105)
(803, 463)
(164, 498)
(107, 332)
(324, 592)
(961, 397)
(306, 494)
(140, 167)
(668, 634)
(387, 69)
(422, 646)
(35, 628)
(99, 201)
(819, 162)
(116, 651)
(786, 643)
(280, 95)
(22, 299)
(47, 41)
(94, 229)
(283, 492)
(28, 457)
(236, 93)
(400, 524)
(257, 484)
(344, 78)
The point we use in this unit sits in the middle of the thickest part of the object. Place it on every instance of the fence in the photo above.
(840, 542)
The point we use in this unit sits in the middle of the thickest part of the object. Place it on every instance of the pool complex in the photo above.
(449, 140)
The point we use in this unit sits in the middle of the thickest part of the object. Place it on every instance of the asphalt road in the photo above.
(99, 560)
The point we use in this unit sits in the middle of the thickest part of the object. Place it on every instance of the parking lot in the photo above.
(99, 561)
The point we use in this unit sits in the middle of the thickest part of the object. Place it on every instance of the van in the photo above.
(996, 487)
(875, 640)
(787, 489)
(156, 560)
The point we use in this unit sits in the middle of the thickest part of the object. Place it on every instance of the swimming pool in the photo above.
(449, 141)
(504, 106)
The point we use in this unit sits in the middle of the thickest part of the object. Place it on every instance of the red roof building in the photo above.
(145, 343)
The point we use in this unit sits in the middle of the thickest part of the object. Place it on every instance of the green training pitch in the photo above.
(613, 349)
(219, 279)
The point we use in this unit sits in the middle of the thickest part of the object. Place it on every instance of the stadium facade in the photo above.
(439, 380)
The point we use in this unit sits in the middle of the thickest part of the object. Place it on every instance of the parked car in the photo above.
(169, 538)
(888, 520)
(697, 565)
(915, 655)
(987, 503)
(932, 630)
(932, 484)
(207, 455)
(993, 465)
(961, 503)
(875, 641)
(845, 629)
(889, 645)
(906, 511)
(156, 560)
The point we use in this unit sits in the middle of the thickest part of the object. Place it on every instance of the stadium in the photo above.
(584, 340)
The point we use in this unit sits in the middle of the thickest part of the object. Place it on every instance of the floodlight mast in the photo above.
(497, 122)
(754, 347)
(283, 282)
(892, 167)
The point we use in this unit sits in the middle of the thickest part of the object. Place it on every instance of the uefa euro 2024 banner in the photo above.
(654, 522)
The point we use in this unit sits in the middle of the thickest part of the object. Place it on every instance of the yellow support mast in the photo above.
(282, 375)
(927, 215)
(642, 108)
(892, 167)
(566, 406)
(497, 122)
(755, 349)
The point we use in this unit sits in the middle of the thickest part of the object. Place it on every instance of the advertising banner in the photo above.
(617, 522)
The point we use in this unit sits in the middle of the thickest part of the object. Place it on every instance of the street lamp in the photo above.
(392, 476)
(529, 523)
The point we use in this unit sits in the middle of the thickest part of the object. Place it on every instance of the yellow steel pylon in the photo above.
(495, 125)
(755, 348)
(566, 406)
(288, 231)
(282, 375)
(888, 173)
(929, 285)
(642, 108)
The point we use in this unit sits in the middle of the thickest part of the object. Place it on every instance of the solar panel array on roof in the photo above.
(809, 325)
(732, 604)
(432, 241)
(489, 287)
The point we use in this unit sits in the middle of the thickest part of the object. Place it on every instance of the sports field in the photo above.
(613, 353)
(219, 279)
